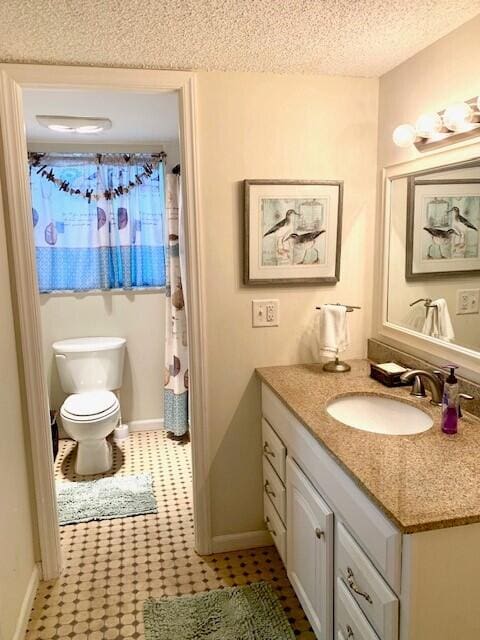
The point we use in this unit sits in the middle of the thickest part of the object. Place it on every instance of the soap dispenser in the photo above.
(451, 403)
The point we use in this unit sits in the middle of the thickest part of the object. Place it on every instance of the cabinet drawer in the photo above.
(350, 622)
(273, 449)
(274, 488)
(275, 527)
(366, 586)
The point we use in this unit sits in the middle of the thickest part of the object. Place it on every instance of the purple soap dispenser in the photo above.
(450, 403)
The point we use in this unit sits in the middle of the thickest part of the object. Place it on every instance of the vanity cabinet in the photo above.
(358, 572)
(341, 554)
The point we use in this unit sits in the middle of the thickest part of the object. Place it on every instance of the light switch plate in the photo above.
(265, 313)
(468, 301)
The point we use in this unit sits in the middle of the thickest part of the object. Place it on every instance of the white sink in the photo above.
(378, 414)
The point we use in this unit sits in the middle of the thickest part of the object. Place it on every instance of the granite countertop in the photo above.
(421, 482)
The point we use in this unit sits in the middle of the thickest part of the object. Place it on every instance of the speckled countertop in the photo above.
(421, 482)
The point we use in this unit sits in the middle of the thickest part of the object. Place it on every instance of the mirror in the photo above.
(433, 259)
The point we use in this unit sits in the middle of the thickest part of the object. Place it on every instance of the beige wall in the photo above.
(138, 317)
(444, 72)
(16, 537)
(274, 126)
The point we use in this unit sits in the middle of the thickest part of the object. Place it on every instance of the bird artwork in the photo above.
(282, 230)
(441, 239)
(462, 219)
(306, 241)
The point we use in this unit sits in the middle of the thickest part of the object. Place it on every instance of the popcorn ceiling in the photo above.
(345, 37)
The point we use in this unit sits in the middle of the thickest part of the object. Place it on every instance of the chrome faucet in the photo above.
(435, 382)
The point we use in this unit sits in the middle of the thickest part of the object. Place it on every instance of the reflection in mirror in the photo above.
(434, 254)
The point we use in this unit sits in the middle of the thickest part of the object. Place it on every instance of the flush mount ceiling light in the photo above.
(458, 121)
(74, 124)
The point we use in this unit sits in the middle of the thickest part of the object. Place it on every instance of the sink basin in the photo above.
(378, 414)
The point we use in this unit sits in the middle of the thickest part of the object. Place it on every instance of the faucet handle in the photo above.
(463, 396)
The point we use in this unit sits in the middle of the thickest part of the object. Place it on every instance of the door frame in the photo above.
(21, 254)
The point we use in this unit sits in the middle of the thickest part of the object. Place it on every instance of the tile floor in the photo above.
(112, 566)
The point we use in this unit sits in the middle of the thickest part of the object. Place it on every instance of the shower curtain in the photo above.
(176, 348)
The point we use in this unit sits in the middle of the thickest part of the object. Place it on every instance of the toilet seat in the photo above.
(89, 406)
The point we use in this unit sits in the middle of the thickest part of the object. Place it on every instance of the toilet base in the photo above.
(93, 456)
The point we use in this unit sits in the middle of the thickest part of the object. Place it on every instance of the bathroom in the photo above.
(326, 116)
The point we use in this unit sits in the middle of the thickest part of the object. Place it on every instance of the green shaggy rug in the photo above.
(115, 497)
(252, 612)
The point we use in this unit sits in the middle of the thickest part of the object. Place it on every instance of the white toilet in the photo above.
(90, 369)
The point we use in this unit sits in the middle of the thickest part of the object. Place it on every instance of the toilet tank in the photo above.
(90, 364)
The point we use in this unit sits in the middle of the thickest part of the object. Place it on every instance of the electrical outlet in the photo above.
(265, 313)
(468, 301)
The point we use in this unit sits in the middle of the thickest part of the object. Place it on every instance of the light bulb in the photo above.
(457, 117)
(89, 129)
(428, 125)
(404, 135)
(59, 127)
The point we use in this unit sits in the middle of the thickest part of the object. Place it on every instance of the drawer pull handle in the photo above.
(267, 450)
(268, 490)
(353, 586)
(350, 633)
(319, 533)
(269, 528)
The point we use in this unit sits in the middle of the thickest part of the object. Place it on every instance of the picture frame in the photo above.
(293, 231)
(443, 228)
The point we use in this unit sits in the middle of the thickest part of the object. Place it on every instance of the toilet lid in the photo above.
(90, 403)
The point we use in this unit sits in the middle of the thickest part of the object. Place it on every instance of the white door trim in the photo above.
(16, 195)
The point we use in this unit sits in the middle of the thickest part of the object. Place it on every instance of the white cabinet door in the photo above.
(310, 550)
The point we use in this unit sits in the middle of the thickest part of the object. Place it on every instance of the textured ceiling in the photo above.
(347, 37)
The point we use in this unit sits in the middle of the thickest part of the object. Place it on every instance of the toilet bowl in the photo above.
(90, 369)
(88, 418)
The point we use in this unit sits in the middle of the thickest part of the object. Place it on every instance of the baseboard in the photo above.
(239, 541)
(146, 425)
(27, 604)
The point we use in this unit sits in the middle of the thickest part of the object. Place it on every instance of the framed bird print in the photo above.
(292, 231)
(443, 228)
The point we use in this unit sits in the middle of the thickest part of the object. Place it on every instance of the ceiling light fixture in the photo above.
(74, 124)
(458, 121)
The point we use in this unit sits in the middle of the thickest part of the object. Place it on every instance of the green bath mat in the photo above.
(252, 612)
(115, 497)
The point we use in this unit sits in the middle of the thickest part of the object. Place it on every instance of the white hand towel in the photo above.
(334, 334)
(437, 322)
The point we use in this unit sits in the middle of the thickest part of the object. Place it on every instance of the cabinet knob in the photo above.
(269, 528)
(319, 533)
(267, 450)
(353, 586)
(268, 490)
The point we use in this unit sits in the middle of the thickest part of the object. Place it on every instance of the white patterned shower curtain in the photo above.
(176, 347)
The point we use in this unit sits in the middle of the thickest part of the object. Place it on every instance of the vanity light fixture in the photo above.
(404, 135)
(458, 121)
(74, 124)
(458, 117)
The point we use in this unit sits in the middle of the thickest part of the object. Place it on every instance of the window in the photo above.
(98, 221)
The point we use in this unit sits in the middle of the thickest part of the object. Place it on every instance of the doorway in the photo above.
(17, 81)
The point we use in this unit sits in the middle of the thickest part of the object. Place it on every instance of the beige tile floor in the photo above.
(112, 566)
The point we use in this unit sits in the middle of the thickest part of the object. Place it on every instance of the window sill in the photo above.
(102, 292)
